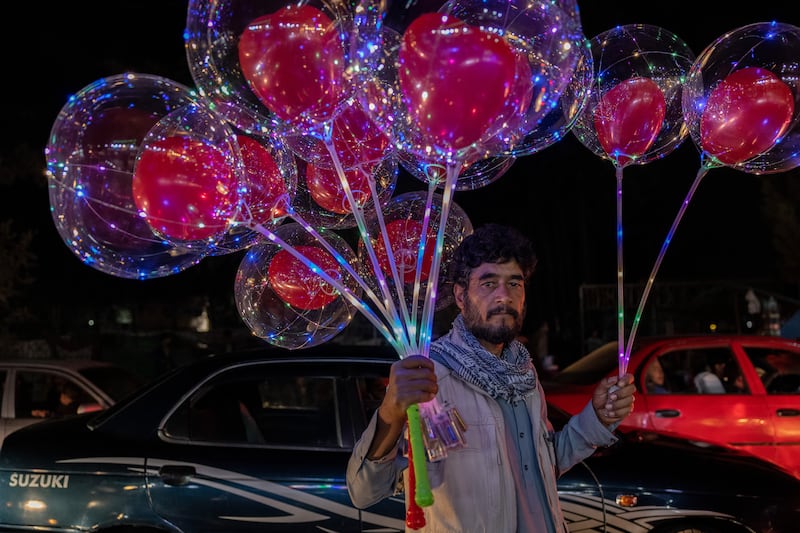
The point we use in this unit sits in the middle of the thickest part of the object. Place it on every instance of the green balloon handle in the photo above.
(423, 495)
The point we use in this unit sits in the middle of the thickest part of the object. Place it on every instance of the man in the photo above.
(504, 479)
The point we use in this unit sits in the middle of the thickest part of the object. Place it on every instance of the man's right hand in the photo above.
(412, 380)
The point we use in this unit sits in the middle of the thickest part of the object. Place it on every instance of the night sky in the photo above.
(562, 197)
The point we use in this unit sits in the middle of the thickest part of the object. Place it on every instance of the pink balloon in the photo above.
(745, 115)
(629, 118)
(294, 62)
(296, 284)
(326, 189)
(455, 79)
(185, 187)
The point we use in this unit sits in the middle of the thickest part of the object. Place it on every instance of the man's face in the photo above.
(493, 303)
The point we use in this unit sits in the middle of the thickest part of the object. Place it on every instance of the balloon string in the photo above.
(337, 284)
(650, 280)
(391, 312)
(620, 278)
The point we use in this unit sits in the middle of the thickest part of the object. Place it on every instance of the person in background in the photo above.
(593, 341)
(504, 479)
(733, 380)
(68, 403)
(655, 380)
(709, 381)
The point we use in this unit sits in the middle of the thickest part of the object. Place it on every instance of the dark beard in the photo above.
(487, 332)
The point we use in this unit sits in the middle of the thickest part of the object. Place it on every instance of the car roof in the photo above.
(600, 361)
(187, 377)
(63, 364)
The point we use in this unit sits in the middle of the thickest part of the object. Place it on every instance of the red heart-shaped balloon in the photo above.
(296, 284)
(265, 196)
(326, 189)
(455, 79)
(629, 118)
(404, 237)
(186, 188)
(294, 62)
(745, 115)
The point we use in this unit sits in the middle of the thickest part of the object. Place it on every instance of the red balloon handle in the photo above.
(415, 516)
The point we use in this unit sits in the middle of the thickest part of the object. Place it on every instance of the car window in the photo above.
(590, 368)
(39, 394)
(712, 370)
(371, 390)
(3, 377)
(274, 409)
(779, 370)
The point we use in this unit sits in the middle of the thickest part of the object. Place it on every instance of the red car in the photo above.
(735, 390)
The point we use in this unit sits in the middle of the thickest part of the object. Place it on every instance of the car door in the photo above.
(777, 371)
(6, 401)
(261, 449)
(710, 414)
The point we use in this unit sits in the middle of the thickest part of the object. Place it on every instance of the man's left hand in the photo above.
(613, 399)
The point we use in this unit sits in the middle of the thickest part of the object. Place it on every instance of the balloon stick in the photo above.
(623, 363)
(704, 167)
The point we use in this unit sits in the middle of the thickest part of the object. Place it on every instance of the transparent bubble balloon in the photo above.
(454, 80)
(266, 190)
(552, 127)
(356, 141)
(187, 175)
(472, 176)
(91, 155)
(271, 65)
(741, 99)
(322, 200)
(404, 221)
(281, 298)
(634, 111)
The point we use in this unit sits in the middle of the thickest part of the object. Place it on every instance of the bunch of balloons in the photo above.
(302, 116)
(291, 144)
(737, 99)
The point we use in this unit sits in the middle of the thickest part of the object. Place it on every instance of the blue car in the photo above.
(258, 442)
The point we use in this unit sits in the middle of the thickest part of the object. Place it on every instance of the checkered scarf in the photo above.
(510, 376)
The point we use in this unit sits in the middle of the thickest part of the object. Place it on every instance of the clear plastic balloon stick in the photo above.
(358, 214)
(623, 363)
(423, 242)
(704, 168)
(404, 347)
(453, 169)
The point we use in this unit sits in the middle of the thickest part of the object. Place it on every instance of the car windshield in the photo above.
(114, 381)
(590, 368)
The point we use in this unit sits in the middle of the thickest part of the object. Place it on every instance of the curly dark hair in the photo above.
(491, 243)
